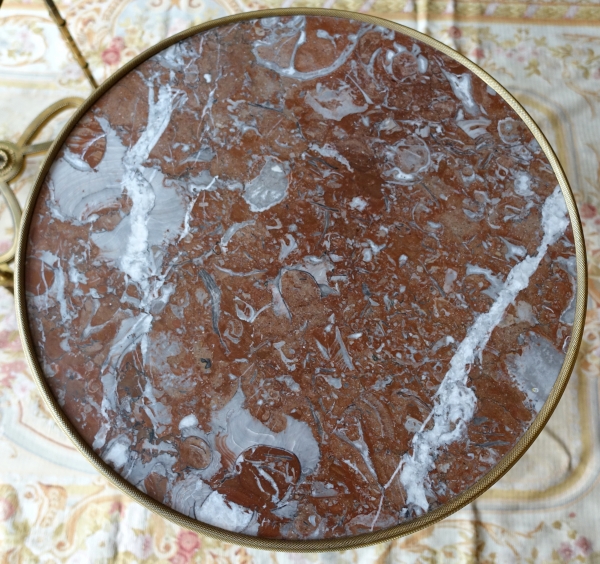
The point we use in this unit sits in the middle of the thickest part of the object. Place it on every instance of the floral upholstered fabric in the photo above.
(55, 508)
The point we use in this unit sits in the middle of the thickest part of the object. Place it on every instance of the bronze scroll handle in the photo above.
(12, 157)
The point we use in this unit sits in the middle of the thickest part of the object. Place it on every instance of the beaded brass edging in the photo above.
(344, 543)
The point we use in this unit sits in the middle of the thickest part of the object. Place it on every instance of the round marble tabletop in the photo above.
(300, 277)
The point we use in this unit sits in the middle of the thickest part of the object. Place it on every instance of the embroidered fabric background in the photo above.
(55, 508)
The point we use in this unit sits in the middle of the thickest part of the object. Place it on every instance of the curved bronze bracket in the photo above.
(12, 159)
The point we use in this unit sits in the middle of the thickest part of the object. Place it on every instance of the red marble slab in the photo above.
(301, 277)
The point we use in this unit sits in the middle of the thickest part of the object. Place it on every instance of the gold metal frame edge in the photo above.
(320, 545)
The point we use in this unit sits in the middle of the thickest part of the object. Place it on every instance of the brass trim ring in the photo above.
(320, 545)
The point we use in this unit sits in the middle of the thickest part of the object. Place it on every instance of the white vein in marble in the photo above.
(455, 401)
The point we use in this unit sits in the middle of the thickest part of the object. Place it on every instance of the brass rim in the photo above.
(344, 543)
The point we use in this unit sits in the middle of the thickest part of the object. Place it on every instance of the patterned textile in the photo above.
(55, 508)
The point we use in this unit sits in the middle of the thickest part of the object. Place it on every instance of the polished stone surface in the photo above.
(301, 278)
